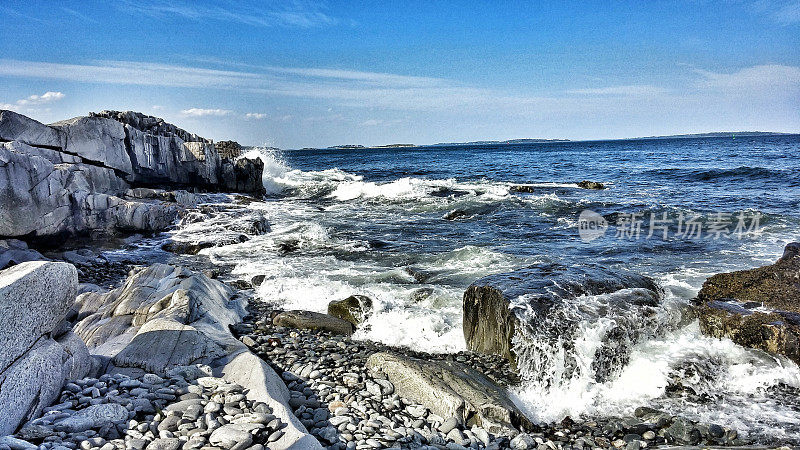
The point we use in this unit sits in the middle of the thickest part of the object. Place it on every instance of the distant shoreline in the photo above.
(717, 134)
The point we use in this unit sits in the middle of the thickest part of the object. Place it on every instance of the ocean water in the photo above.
(375, 222)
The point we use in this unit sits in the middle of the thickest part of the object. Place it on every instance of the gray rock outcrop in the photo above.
(451, 390)
(74, 176)
(36, 353)
(165, 318)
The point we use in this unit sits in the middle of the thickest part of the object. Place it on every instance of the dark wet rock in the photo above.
(757, 308)
(682, 432)
(586, 184)
(523, 189)
(286, 247)
(421, 294)
(313, 321)
(242, 175)
(353, 309)
(186, 248)
(419, 275)
(491, 316)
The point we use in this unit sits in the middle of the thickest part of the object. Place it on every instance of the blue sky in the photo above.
(307, 73)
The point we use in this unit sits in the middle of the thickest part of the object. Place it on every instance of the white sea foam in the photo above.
(315, 253)
(735, 382)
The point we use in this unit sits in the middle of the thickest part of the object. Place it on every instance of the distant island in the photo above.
(508, 141)
(731, 134)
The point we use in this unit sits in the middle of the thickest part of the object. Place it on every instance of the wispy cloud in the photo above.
(784, 12)
(33, 101)
(363, 89)
(201, 112)
(349, 87)
(628, 90)
(298, 13)
(79, 15)
(755, 79)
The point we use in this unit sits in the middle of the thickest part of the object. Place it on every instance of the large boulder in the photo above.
(36, 355)
(532, 317)
(450, 389)
(129, 315)
(757, 308)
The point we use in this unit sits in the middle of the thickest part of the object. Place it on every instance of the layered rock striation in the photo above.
(75, 176)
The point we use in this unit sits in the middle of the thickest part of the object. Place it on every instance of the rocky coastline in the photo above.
(178, 354)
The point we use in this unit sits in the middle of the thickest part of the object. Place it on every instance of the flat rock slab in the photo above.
(313, 321)
(450, 390)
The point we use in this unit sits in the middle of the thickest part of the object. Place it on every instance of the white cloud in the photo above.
(47, 97)
(157, 107)
(297, 13)
(33, 100)
(371, 122)
(201, 112)
(256, 116)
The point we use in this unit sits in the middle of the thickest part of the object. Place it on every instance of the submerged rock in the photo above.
(353, 309)
(450, 389)
(757, 308)
(455, 214)
(522, 189)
